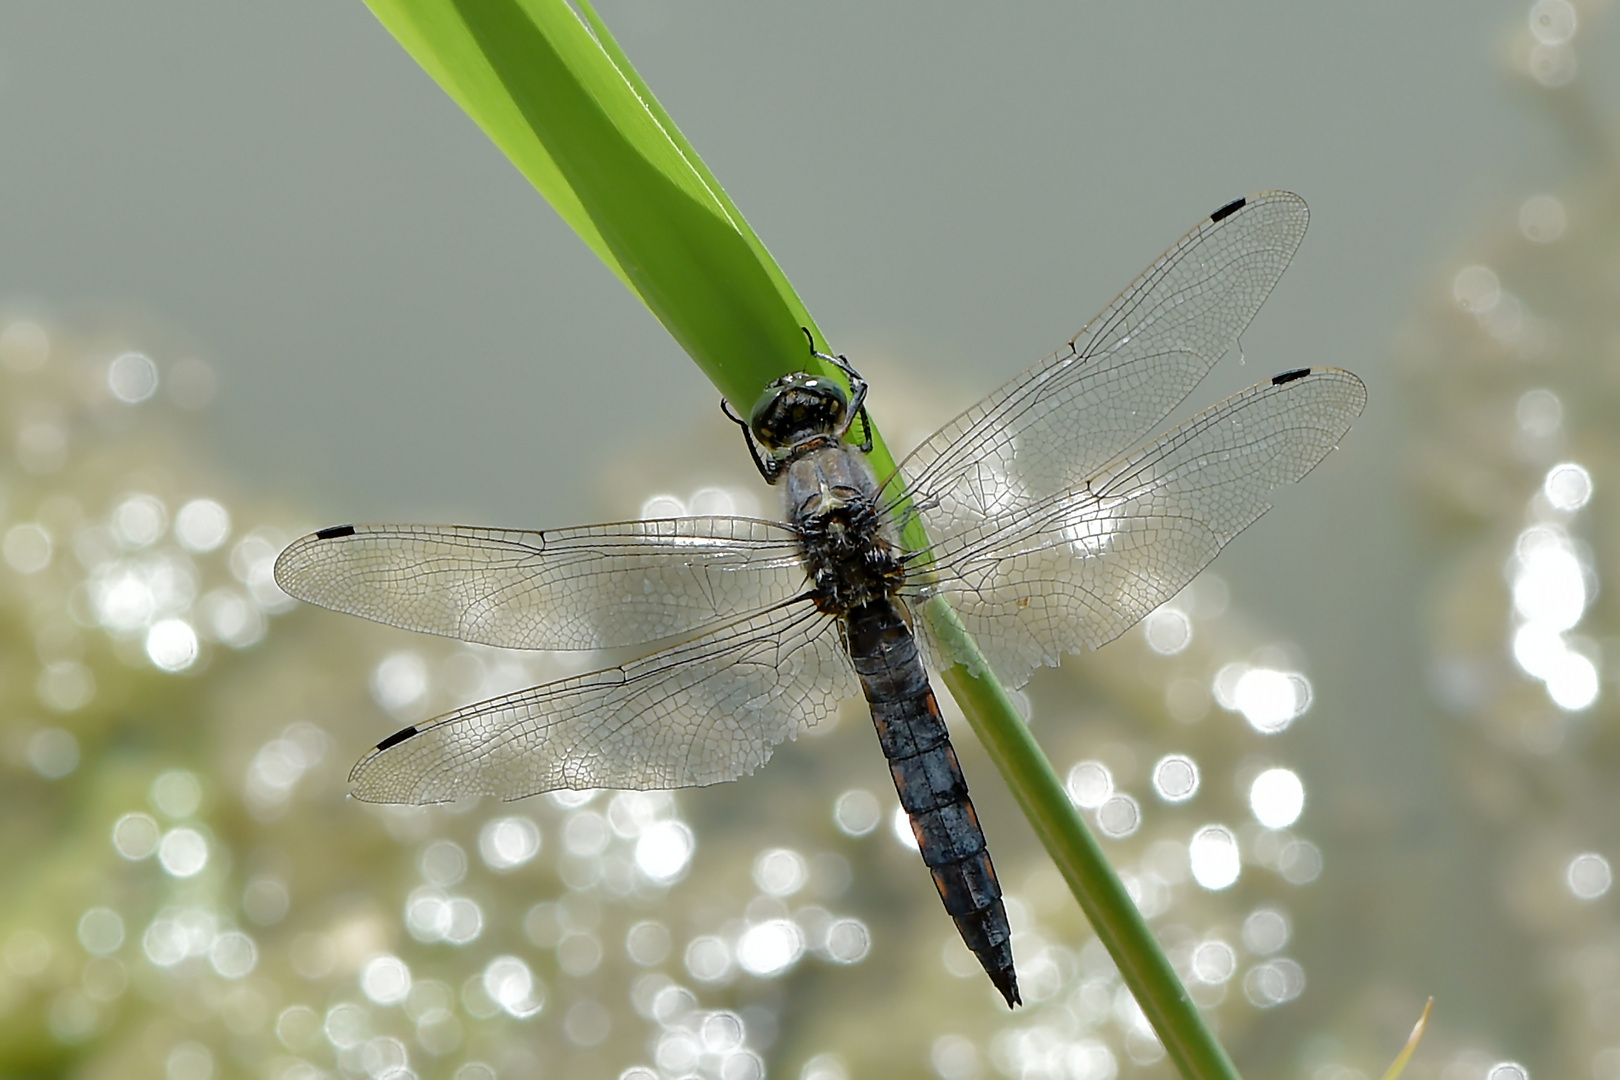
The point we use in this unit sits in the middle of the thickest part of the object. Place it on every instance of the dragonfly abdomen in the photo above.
(930, 784)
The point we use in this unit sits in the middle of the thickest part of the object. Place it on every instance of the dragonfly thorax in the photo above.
(832, 501)
(798, 407)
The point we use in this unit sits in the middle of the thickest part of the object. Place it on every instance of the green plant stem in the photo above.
(1102, 896)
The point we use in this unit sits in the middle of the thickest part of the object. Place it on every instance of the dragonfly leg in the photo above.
(767, 465)
(857, 394)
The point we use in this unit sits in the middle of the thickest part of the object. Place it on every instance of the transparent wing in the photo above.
(1040, 577)
(596, 587)
(705, 711)
(1061, 420)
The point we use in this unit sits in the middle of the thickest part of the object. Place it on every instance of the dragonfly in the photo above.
(1051, 527)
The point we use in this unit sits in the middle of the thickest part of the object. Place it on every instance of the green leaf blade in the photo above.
(439, 40)
(551, 96)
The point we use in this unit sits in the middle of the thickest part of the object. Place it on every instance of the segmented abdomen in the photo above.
(930, 785)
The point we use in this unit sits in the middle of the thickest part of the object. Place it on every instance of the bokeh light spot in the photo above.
(1213, 962)
(297, 1027)
(770, 948)
(399, 681)
(664, 851)
(1539, 413)
(176, 793)
(512, 986)
(1300, 862)
(171, 645)
(657, 507)
(183, 852)
(189, 1061)
(1168, 631)
(586, 833)
(466, 921)
(427, 914)
(233, 955)
(443, 863)
(648, 943)
(202, 525)
(1553, 22)
(1542, 219)
(101, 931)
(1274, 983)
(1277, 798)
(1265, 931)
(708, 958)
(139, 521)
(1476, 289)
(824, 1067)
(1568, 486)
(780, 872)
(27, 548)
(135, 836)
(508, 842)
(1119, 816)
(386, 980)
(1589, 876)
(347, 1025)
(53, 753)
(1270, 700)
(132, 378)
(1548, 584)
(1572, 682)
(848, 941)
(1213, 857)
(1089, 784)
(1175, 778)
(579, 954)
(857, 812)
(954, 1058)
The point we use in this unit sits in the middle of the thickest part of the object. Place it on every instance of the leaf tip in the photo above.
(1401, 1059)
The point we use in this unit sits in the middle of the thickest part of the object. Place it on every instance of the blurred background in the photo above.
(257, 274)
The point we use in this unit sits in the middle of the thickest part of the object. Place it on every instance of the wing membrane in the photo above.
(1034, 576)
(709, 710)
(596, 587)
(1062, 419)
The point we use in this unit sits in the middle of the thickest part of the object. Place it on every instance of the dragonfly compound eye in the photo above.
(795, 407)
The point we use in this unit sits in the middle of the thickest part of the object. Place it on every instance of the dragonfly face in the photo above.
(1052, 527)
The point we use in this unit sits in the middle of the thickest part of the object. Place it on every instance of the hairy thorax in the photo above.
(850, 551)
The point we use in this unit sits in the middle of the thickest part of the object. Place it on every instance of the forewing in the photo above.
(709, 710)
(596, 587)
(1107, 389)
(1078, 567)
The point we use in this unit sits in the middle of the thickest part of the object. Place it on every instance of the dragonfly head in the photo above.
(796, 407)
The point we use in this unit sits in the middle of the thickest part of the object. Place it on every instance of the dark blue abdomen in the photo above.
(930, 784)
